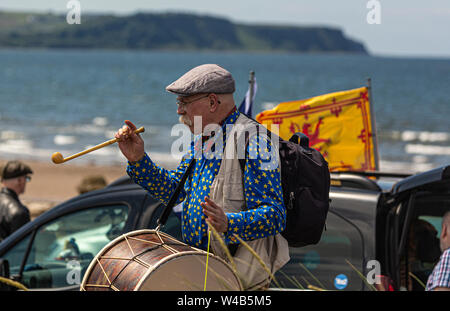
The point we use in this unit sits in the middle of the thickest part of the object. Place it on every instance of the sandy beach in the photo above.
(52, 184)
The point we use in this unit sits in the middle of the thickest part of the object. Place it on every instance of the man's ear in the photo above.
(444, 232)
(213, 103)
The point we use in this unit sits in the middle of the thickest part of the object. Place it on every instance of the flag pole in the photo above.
(252, 82)
(374, 126)
(246, 105)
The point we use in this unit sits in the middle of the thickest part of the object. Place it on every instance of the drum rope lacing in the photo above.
(160, 240)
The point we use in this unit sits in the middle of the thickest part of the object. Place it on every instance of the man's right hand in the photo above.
(130, 144)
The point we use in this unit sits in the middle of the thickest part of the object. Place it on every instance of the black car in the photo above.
(374, 236)
(382, 233)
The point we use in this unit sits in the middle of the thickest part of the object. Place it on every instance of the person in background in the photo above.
(439, 279)
(91, 183)
(423, 254)
(13, 214)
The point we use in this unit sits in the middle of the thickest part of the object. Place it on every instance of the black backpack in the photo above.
(305, 180)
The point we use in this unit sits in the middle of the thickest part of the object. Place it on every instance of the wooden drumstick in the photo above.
(57, 157)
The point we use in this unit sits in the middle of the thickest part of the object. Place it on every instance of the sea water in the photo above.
(69, 100)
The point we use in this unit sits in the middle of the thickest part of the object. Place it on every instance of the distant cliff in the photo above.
(168, 31)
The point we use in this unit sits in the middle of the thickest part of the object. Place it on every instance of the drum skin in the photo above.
(152, 260)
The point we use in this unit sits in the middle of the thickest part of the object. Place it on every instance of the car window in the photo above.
(435, 221)
(172, 226)
(328, 264)
(422, 250)
(15, 255)
(62, 249)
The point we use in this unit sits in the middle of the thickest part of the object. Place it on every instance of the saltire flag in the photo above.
(247, 103)
(338, 124)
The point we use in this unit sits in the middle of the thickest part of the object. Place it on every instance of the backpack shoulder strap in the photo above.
(256, 130)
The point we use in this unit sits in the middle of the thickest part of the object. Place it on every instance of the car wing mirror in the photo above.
(4, 273)
(4, 268)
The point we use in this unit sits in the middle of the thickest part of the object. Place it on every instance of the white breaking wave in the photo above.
(64, 140)
(427, 149)
(419, 159)
(268, 105)
(23, 149)
(404, 167)
(85, 129)
(17, 146)
(100, 121)
(422, 136)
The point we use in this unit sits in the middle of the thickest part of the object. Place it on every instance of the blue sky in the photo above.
(412, 28)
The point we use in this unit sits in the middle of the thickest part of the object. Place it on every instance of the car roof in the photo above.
(395, 183)
(426, 178)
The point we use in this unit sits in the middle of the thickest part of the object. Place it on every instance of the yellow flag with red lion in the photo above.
(339, 125)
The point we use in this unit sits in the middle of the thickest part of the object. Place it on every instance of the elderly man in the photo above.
(439, 279)
(13, 214)
(247, 203)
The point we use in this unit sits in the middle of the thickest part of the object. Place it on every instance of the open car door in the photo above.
(415, 205)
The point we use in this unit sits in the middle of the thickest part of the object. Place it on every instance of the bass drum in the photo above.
(145, 260)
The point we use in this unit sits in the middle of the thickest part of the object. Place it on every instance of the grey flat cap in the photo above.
(208, 78)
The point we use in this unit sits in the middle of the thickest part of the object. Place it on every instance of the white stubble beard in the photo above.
(185, 120)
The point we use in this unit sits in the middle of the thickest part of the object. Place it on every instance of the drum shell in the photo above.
(152, 260)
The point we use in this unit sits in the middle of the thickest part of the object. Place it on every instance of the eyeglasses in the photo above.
(183, 104)
(28, 178)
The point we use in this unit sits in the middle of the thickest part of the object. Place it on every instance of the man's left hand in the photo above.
(216, 215)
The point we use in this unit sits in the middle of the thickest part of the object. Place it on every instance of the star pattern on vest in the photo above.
(265, 211)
